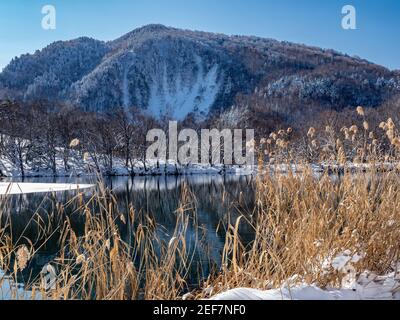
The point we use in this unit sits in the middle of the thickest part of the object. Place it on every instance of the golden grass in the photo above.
(299, 221)
(100, 264)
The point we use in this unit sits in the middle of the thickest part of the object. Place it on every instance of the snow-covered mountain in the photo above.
(175, 72)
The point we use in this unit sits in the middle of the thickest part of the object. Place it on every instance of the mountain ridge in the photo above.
(173, 72)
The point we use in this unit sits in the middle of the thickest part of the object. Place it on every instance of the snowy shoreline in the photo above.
(87, 168)
(355, 285)
(152, 168)
(367, 288)
(16, 188)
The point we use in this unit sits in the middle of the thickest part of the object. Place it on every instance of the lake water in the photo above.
(219, 199)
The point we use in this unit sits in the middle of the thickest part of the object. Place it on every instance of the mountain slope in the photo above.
(172, 72)
(49, 73)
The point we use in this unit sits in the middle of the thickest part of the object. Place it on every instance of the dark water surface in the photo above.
(219, 200)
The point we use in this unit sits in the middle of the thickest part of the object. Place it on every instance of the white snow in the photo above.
(81, 166)
(355, 286)
(126, 98)
(367, 286)
(9, 290)
(180, 98)
(344, 259)
(372, 291)
(14, 188)
(125, 89)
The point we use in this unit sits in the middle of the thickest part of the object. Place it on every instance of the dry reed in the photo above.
(300, 221)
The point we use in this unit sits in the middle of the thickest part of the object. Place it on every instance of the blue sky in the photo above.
(313, 22)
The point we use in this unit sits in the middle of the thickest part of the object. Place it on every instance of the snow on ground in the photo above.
(355, 286)
(385, 289)
(80, 166)
(11, 291)
(13, 188)
(367, 286)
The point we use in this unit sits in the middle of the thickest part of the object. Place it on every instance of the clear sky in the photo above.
(312, 22)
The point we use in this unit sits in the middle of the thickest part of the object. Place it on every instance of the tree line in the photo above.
(47, 135)
(38, 135)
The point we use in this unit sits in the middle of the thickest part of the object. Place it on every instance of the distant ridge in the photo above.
(173, 72)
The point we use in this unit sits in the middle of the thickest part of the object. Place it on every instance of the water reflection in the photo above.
(218, 200)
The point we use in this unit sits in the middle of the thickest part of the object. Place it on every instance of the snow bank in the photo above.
(87, 167)
(368, 287)
(13, 188)
(355, 286)
(12, 291)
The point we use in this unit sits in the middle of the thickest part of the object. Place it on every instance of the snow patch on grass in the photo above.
(355, 286)
(367, 286)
